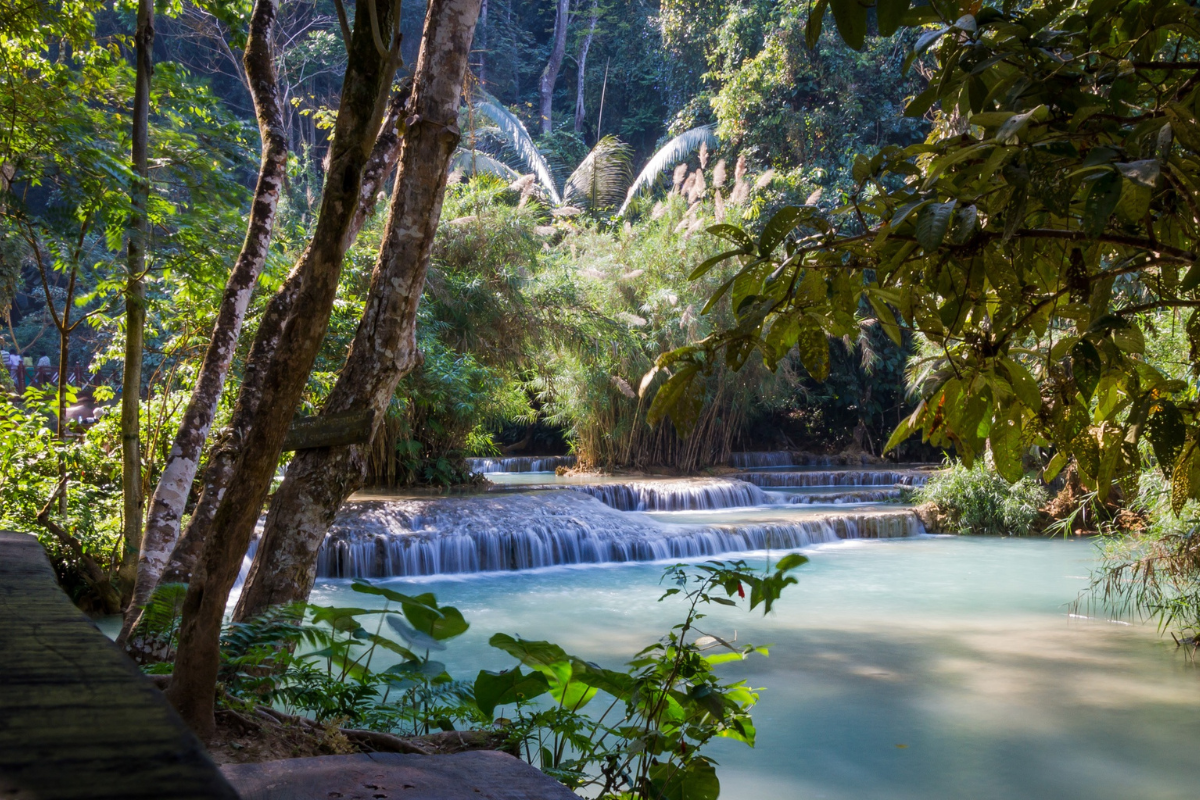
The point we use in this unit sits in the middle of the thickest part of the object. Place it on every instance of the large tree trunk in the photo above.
(135, 304)
(558, 50)
(580, 111)
(369, 73)
(222, 454)
(166, 507)
(482, 44)
(384, 347)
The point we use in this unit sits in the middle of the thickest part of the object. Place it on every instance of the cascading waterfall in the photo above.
(705, 494)
(780, 458)
(835, 478)
(840, 498)
(373, 539)
(775, 459)
(484, 466)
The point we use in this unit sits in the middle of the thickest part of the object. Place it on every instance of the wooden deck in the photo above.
(77, 719)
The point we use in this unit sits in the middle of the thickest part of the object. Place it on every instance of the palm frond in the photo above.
(667, 156)
(521, 142)
(473, 162)
(601, 178)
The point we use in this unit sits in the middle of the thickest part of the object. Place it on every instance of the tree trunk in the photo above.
(221, 455)
(369, 73)
(166, 507)
(580, 112)
(384, 347)
(135, 304)
(557, 51)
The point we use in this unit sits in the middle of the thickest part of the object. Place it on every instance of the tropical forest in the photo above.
(608, 399)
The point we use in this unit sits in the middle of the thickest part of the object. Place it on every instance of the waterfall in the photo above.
(373, 539)
(835, 478)
(791, 458)
(484, 466)
(838, 498)
(705, 494)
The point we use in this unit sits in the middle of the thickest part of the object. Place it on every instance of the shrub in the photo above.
(977, 500)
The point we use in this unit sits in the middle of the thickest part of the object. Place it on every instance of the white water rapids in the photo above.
(569, 521)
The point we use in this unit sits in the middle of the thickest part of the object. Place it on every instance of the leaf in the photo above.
(1023, 384)
(1181, 477)
(519, 139)
(922, 102)
(1086, 367)
(415, 638)
(708, 264)
(1054, 467)
(932, 224)
(602, 178)
(667, 156)
(775, 231)
(441, 623)
(670, 393)
(1167, 433)
(1101, 202)
(1005, 441)
(790, 561)
(902, 432)
(780, 339)
(889, 14)
(1192, 279)
(851, 19)
(690, 780)
(507, 688)
(734, 235)
(814, 350)
(887, 320)
(812, 27)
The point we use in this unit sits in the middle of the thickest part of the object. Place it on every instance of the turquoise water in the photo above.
(925, 668)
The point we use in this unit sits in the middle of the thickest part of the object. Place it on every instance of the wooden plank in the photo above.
(77, 718)
(330, 430)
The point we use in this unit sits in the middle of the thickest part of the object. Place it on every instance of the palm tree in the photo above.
(602, 180)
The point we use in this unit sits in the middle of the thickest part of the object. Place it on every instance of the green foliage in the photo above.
(978, 500)
(674, 702)
(1154, 570)
(1003, 241)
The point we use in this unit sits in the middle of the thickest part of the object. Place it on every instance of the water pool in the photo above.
(904, 669)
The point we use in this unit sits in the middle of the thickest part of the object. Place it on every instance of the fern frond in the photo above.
(667, 156)
(473, 162)
(601, 178)
(521, 142)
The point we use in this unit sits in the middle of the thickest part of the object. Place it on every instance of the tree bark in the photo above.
(483, 34)
(135, 304)
(384, 347)
(558, 50)
(369, 71)
(580, 111)
(170, 497)
(221, 455)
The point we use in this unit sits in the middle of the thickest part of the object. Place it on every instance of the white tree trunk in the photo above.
(558, 49)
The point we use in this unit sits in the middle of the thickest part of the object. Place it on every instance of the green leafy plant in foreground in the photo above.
(660, 714)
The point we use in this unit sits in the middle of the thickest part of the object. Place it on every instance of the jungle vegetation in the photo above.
(493, 226)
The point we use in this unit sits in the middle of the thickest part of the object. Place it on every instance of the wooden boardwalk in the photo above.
(77, 719)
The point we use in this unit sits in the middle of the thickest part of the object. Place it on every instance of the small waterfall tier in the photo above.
(838, 498)
(865, 477)
(492, 533)
(484, 466)
(789, 458)
(703, 494)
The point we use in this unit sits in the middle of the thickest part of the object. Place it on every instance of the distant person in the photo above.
(44, 373)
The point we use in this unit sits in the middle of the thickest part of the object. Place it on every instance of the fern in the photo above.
(601, 178)
(521, 142)
(668, 156)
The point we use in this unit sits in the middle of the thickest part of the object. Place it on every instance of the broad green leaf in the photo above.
(1005, 439)
(932, 224)
(1086, 366)
(507, 688)
(690, 780)
(851, 19)
(1023, 385)
(670, 393)
(777, 229)
(889, 14)
(415, 638)
(1101, 202)
(1167, 433)
(708, 264)
(812, 28)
